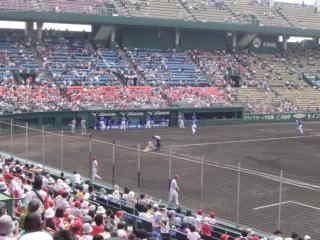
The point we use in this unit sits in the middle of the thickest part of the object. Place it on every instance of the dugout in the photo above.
(136, 117)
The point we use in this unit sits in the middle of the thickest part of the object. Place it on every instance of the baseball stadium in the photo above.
(159, 119)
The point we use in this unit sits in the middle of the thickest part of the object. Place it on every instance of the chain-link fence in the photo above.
(266, 200)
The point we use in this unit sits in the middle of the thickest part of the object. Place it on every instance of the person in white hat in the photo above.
(86, 230)
(307, 237)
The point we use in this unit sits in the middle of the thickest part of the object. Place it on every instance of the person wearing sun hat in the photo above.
(86, 231)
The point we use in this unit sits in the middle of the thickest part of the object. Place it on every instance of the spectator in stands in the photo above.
(6, 228)
(33, 229)
(63, 235)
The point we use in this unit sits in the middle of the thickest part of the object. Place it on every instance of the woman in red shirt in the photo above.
(98, 227)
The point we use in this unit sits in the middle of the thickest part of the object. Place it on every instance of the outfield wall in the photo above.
(137, 117)
(160, 117)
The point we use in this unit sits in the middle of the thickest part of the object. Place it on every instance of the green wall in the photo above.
(159, 38)
(196, 39)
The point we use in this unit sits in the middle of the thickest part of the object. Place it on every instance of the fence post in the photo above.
(43, 145)
(202, 182)
(113, 161)
(170, 164)
(27, 140)
(11, 134)
(90, 158)
(61, 151)
(280, 199)
(238, 194)
(139, 166)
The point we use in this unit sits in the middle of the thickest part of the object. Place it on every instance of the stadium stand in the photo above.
(208, 11)
(265, 14)
(303, 16)
(74, 60)
(79, 6)
(304, 99)
(262, 101)
(171, 9)
(17, 56)
(166, 67)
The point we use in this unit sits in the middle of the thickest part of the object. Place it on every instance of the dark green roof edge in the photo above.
(152, 22)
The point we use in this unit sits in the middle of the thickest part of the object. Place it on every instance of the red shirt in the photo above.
(97, 229)
(224, 236)
(206, 229)
(254, 237)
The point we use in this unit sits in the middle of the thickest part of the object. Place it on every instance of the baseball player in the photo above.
(148, 122)
(94, 168)
(83, 124)
(123, 125)
(73, 126)
(174, 191)
(102, 124)
(194, 124)
(181, 120)
(300, 126)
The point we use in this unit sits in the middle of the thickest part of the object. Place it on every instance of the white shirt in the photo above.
(94, 164)
(76, 178)
(33, 196)
(36, 236)
(60, 202)
(86, 237)
(193, 236)
(174, 186)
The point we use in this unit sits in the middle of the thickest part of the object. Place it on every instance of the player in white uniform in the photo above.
(174, 191)
(94, 168)
(102, 124)
(83, 124)
(123, 126)
(148, 122)
(73, 126)
(181, 120)
(300, 126)
(194, 124)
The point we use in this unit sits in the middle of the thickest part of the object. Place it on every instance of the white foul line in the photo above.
(287, 202)
(305, 205)
(246, 141)
(271, 205)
